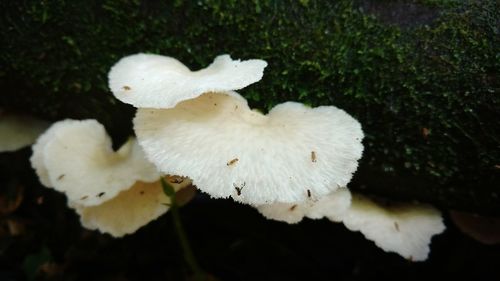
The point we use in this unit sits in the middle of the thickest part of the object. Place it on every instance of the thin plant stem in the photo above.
(179, 229)
(186, 247)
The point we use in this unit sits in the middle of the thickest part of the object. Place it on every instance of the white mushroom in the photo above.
(405, 229)
(129, 210)
(113, 192)
(76, 157)
(17, 132)
(289, 155)
(332, 205)
(154, 81)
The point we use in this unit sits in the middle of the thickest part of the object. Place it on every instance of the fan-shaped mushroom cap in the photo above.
(129, 210)
(17, 132)
(404, 229)
(332, 205)
(76, 157)
(227, 149)
(154, 81)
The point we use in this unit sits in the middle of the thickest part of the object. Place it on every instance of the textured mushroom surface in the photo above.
(37, 158)
(228, 150)
(405, 229)
(146, 80)
(76, 157)
(17, 132)
(331, 205)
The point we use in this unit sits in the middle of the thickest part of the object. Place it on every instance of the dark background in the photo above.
(231, 242)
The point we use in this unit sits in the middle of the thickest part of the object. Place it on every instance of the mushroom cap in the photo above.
(78, 159)
(223, 146)
(332, 205)
(405, 229)
(19, 131)
(129, 210)
(154, 81)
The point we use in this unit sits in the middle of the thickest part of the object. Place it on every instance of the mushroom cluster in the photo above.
(114, 192)
(294, 162)
(192, 123)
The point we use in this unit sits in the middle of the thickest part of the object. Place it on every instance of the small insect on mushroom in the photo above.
(176, 179)
(126, 88)
(396, 226)
(101, 194)
(239, 188)
(293, 207)
(61, 177)
(308, 193)
(313, 156)
(232, 162)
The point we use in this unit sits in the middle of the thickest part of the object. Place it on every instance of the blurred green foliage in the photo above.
(427, 95)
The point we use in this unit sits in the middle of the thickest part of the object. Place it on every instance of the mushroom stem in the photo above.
(179, 229)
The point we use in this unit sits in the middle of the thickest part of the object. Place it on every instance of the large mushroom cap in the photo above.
(17, 132)
(145, 80)
(287, 156)
(129, 210)
(332, 205)
(76, 157)
(405, 229)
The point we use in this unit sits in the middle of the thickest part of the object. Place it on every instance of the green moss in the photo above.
(440, 3)
(427, 96)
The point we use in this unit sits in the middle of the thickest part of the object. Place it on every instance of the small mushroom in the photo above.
(154, 81)
(219, 135)
(405, 229)
(19, 131)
